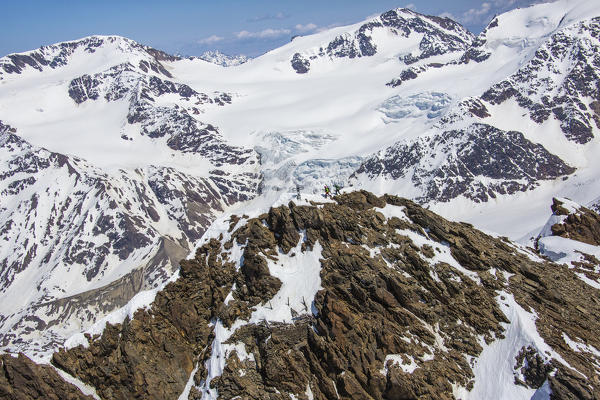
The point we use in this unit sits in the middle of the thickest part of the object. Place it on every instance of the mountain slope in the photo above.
(107, 187)
(425, 36)
(537, 71)
(389, 309)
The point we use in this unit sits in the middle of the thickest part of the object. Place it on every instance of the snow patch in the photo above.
(494, 368)
(397, 359)
(85, 388)
(300, 276)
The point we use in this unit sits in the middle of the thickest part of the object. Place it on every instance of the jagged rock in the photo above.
(532, 368)
(477, 162)
(569, 385)
(582, 225)
(22, 379)
(381, 296)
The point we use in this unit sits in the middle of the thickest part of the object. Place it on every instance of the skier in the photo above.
(327, 191)
(298, 192)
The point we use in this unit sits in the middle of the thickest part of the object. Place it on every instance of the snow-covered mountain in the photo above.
(224, 60)
(106, 184)
(115, 159)
(424, 37)
(531, 74)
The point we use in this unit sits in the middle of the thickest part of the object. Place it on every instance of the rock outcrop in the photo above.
(406, 299)
(22, 379)
(478, 162)
(581, 224)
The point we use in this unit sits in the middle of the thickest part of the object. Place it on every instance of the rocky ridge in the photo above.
(572, 236)
(580, 224)
(407, 302)
(224, 60)
(21, 378)
(58, 55)
(479, 163)
(439, 36)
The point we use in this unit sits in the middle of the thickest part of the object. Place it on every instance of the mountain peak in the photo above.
(114, 49)
(401, 33)
(224, 60)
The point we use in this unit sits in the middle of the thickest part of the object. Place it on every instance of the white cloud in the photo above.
(476, 14)
(411, 6)
(266, 33)
(448, 15)
(211, 39)
(266, 17)
(306, 28)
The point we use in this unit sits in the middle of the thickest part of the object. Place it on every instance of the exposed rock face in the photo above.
(57, 55)
(532, 368)
(22, 379)
(438, 36)
(571, 236)
(581, 224)
(300, 64)
(477, 162)
(574, 100)
(405, 301)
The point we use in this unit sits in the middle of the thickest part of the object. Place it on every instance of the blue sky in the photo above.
(189, 27)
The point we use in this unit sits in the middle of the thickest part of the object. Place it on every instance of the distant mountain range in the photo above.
(216, 57)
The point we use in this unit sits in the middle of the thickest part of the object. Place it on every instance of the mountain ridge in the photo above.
(409, 284)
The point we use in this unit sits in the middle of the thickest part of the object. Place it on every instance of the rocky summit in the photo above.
(405, 305)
